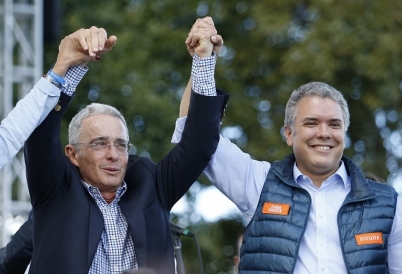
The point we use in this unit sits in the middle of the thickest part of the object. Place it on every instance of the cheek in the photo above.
(86, 162)
(340, 138)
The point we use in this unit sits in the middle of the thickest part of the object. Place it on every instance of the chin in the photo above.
(116, 184)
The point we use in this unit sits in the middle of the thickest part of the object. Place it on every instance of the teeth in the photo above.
(323, 147)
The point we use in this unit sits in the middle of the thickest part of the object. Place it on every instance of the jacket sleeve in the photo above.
(45, 161)
(178, 170)
(233, 172)
(15, 257)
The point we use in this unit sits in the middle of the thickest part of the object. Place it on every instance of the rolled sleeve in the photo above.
(202, 73)
(74, 76)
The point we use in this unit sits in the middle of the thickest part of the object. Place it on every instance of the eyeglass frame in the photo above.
(93, 145)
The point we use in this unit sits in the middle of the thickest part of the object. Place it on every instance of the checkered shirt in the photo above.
(202, 73)
(115, 252)
(73, 77)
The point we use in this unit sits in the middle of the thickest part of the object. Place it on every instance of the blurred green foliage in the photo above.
(271, 48)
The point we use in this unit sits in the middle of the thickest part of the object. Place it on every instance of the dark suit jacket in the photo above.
(67, 221)
(16, 255)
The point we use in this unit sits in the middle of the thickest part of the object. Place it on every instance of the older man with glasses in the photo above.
(101, 210)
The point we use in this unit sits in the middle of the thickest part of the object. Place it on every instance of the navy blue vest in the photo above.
(271, 242)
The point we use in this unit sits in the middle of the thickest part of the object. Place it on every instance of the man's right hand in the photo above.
(81, 47)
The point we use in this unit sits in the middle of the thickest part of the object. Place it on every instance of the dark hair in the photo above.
(312, 89)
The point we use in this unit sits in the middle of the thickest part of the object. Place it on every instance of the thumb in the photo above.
(216, 40)
(109, 44)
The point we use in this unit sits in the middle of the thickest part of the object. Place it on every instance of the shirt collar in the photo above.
(341, 172)
(120, 191)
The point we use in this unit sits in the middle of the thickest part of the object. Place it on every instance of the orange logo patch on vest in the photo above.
(369, 238)
(275, 208)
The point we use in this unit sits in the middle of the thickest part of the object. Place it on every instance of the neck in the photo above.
(318, 181)
(316, 178)
(108, 196)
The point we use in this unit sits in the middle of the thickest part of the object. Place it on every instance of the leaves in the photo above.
(271, 48)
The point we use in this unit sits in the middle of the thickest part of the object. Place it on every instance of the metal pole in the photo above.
(178, 255)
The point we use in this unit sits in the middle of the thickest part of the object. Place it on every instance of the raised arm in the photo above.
(43, 148)
(185, 99)
(182, 166)
(217, 43)
(23, 119)
(231, 170)
(36, 105)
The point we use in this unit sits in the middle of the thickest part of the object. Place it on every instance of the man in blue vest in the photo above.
(313, 211)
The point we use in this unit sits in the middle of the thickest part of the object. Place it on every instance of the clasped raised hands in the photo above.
(203, 38)
(81, 47)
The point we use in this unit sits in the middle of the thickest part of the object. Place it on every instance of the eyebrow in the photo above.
(106, 138)
(316, 119)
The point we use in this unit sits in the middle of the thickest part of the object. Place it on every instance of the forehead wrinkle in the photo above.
(317, 119)
(102, 138)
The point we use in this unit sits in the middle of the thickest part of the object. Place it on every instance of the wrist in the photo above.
(56, 80)
(202, 55)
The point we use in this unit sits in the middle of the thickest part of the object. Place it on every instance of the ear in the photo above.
(71, 153)
(289, 136)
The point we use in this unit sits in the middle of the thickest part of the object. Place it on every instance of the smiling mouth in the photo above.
(323, 147)
(111, 170)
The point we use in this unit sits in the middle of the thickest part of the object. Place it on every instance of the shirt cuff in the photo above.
(178, 130)
(202, 73)
(74, 76)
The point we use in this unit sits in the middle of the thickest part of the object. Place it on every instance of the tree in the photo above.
(271, 48)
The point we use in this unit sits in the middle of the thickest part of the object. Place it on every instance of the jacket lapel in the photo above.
(96, 226)
(130, 206)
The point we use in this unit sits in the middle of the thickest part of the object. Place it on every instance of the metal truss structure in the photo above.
(21, 61)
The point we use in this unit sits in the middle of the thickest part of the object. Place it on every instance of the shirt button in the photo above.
(322, 268)
(320, 193)
(115, 268)
(112, 237)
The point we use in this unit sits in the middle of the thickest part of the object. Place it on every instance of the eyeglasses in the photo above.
(101, 147)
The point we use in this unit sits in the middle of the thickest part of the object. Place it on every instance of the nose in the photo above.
(323, 131)
(111, 152)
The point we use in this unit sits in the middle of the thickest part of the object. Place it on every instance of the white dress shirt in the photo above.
(31, 110)
(25, 117)
(241, 179)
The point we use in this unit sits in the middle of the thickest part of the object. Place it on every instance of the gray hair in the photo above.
(319, 89)
(75, 127)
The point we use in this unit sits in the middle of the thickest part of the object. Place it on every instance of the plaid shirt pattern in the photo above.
(115, 252)
(202, 73)
(73, 77)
